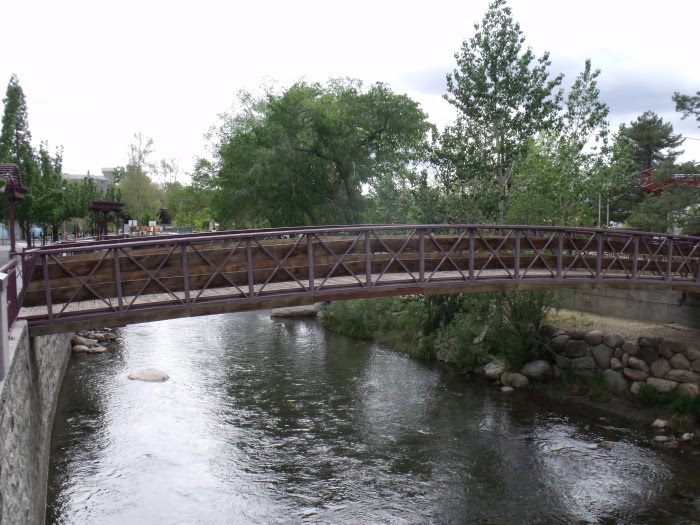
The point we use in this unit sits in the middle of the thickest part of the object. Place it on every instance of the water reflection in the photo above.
(267, 421)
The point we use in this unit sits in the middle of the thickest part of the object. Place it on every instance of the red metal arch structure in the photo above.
(111, 283)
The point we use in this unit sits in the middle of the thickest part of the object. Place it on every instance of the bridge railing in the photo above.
(192, 270)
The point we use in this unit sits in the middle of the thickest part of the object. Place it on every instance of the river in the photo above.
(280, 421)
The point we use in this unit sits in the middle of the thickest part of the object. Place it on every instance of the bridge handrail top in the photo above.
(328, 229)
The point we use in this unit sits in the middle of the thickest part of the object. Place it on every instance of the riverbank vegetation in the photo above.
(463, 329)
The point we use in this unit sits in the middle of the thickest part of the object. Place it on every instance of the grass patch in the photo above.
(673, 402)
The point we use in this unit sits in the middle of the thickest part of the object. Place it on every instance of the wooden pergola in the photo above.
(14, 191)
(101, 210)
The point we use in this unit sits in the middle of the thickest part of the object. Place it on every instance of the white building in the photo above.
(102, 182)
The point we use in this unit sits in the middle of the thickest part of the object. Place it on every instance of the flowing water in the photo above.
(281, 421)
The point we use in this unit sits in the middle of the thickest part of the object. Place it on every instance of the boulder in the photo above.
(578, 334)
(695, 365)
(602, 355)
(670, 346)
(613, 340)
(630, 347)
(683, 376)
(659, 424)
(558, 343)
(618, 353)
(679, 361)
(149, 374)
(551, 330)
(309, 310)
(95, 350)
(616, 364)
(109, 336)
(634, 374)
(494, 370)
(539, 369)
(650, 341)
(507, 389)
(78, 340)
(635, 387)
(662, 439)
(635, 362)
(575, 348)
(97, 335)
(692, 354)
(689, 389)
(583, 363)
(688, 436)
(80, 348)
(625, 359)
(648, 355)
(594, 337)
(615, 380)
(514, 379)
(661, 385)
(660, 367)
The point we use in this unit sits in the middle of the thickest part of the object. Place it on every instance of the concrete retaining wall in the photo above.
(665, 307)
(28, 397)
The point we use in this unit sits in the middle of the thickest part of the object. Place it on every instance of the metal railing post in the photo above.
(251, 275)
(516, 257)
(184, 261)
(471, 254)
(368, 260)
(421, 256)
(4, 326)
(310, 264)
(635, 256)
(669, 261)
(599, 255)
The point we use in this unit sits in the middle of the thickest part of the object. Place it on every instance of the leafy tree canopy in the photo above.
(305, 155)
(504, 96)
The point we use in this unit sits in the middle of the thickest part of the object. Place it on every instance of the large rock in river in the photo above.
(494, 370)
(309, 310)
(149, 374)
(539, 369)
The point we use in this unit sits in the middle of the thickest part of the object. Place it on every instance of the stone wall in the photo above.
(28, 397)
(662, 364)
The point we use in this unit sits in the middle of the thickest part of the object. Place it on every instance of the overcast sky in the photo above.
(94, 73)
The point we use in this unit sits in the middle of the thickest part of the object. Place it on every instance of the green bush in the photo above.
(675, 402)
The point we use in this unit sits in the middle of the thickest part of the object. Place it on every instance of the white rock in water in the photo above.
(507, 389)
(149, 374)
(96, 350)
(310, 310)
(659, 423)
(79, 349)
(77, 340)
(688, 436)
(662, 439)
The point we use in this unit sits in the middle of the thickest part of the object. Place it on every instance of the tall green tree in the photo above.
(652, 141)
(15, 137)
(303, 156)
(689, 105)
(504, 97)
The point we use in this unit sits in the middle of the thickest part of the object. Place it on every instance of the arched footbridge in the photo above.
(116, 282)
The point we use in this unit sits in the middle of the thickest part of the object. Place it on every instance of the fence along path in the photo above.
(109, 283)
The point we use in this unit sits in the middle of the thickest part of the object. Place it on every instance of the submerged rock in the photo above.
(149, 374)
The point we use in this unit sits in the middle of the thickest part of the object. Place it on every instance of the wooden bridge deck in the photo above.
(68, 287)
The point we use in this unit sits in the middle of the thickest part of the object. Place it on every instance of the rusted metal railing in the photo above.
(170, 276)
